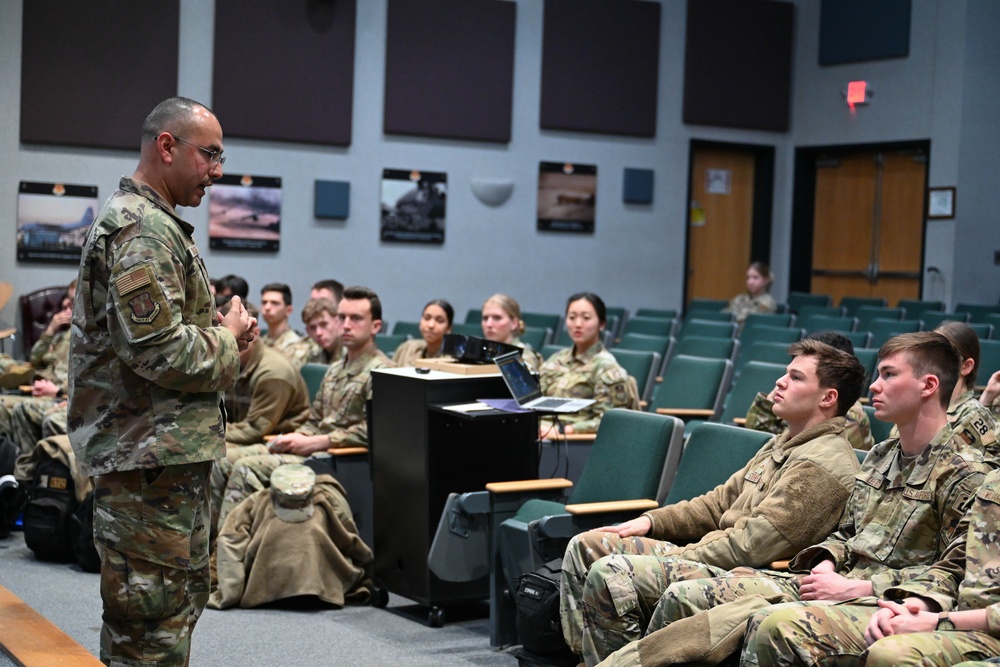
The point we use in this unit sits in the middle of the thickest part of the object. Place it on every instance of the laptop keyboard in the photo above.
(550, 403)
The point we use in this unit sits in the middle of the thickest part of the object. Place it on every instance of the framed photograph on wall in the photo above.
(941, 203)
(52, 221)
(245, 213)
(566, 197)
(413, 205)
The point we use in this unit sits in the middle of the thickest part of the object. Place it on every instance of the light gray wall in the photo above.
(636, 255)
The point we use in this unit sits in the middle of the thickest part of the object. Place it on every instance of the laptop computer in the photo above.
(526, 390)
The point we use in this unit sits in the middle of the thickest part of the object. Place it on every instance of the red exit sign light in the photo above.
(857, 93)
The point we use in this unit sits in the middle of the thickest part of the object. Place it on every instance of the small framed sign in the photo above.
(941, 203)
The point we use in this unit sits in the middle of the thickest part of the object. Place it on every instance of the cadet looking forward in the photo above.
(147, 368)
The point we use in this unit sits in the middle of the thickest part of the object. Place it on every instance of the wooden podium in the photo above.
(421, 452)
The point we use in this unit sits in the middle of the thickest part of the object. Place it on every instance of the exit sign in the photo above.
(857, 93)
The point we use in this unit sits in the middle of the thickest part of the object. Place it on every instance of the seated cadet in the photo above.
(761, 417)
(276, 308)
(502, 323)
(327, 289)
(232, 285)
(942, 616)
(787, 497)
(270, 395)
(990, 397)
(337, 416)
(322, 344)
(586, 370)
(757, 297)
(50, 368)
(907, 506)
(435, 322)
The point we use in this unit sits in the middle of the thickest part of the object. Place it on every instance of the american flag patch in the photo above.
(132, 281)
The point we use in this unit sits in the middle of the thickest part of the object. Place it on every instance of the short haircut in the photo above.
(966, 341)
(929, 353)
(315, 307)
(235, 284)
(173, 115)
(508, 305)
(835, 339)
(334, 286)
(595, 301)
(449, 312)
(356, 292)
(286, 291)
(835, 369)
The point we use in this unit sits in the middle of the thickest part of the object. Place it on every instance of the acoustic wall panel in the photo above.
(738, 63)
(852, 31)
(285, 70)
(600, 66)
(92, 71)
(449, 68)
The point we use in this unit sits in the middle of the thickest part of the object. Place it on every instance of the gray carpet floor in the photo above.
(303, 635)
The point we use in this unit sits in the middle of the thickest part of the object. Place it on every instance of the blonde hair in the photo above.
(509, 306)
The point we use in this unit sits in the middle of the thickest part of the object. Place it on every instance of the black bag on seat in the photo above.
(81, 530)
(538, 625)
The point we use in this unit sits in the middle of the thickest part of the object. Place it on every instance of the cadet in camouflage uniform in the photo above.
(336, 419)
(757, 298)
(275, 309)
(586, 370)
(323, 345)
(435, 321)
(991, 395)
(148, 365)
(761, 417)
(788, 496)
(502, 323)
(49, 365)
(962, 583)
(906, 508)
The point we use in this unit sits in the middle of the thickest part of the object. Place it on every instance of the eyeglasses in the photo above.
(214, 157)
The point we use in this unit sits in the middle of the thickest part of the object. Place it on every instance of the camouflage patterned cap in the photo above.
(291, 492)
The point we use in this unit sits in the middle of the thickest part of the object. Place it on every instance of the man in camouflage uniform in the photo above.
(336, 419)
(275, 309)
(322, 344)
(761, 417)
(148, 364)
(946, 614)
(49, 366)
(788, 496)
(906, 508)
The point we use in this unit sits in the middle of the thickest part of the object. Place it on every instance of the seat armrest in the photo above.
(638, 505)
(578, 437)
(7, 333)
(529, 485)
(781, 565)
(686, 412)
(347, 451)
(740, 421)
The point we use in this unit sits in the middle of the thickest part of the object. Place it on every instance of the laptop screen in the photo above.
(522, 384)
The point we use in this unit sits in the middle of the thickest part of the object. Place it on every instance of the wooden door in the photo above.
(720, 223)
(868, 225)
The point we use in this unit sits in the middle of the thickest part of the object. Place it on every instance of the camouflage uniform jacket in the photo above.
(973, 424)
(531, 358)
(307, 351)
(594, 374)
(270, 397)
(50, 358)
(410, 351)
(965, 577)
(744, 304)
(286, 343)
(761, 417)
(901, 516)
(339, 406)
(788, 496)
(147, 362)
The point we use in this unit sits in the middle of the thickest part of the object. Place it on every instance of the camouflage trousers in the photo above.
(245, 470)
(704, 621)
(151, 528)
(7, 404)
(31, 418)
(619, 591)
(817, 634)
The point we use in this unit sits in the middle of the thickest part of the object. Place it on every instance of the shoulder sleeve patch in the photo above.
(133, 280)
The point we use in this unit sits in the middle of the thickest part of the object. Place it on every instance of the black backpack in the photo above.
(538, 627)
(11, 493)
(47, 516)
(81, 530)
